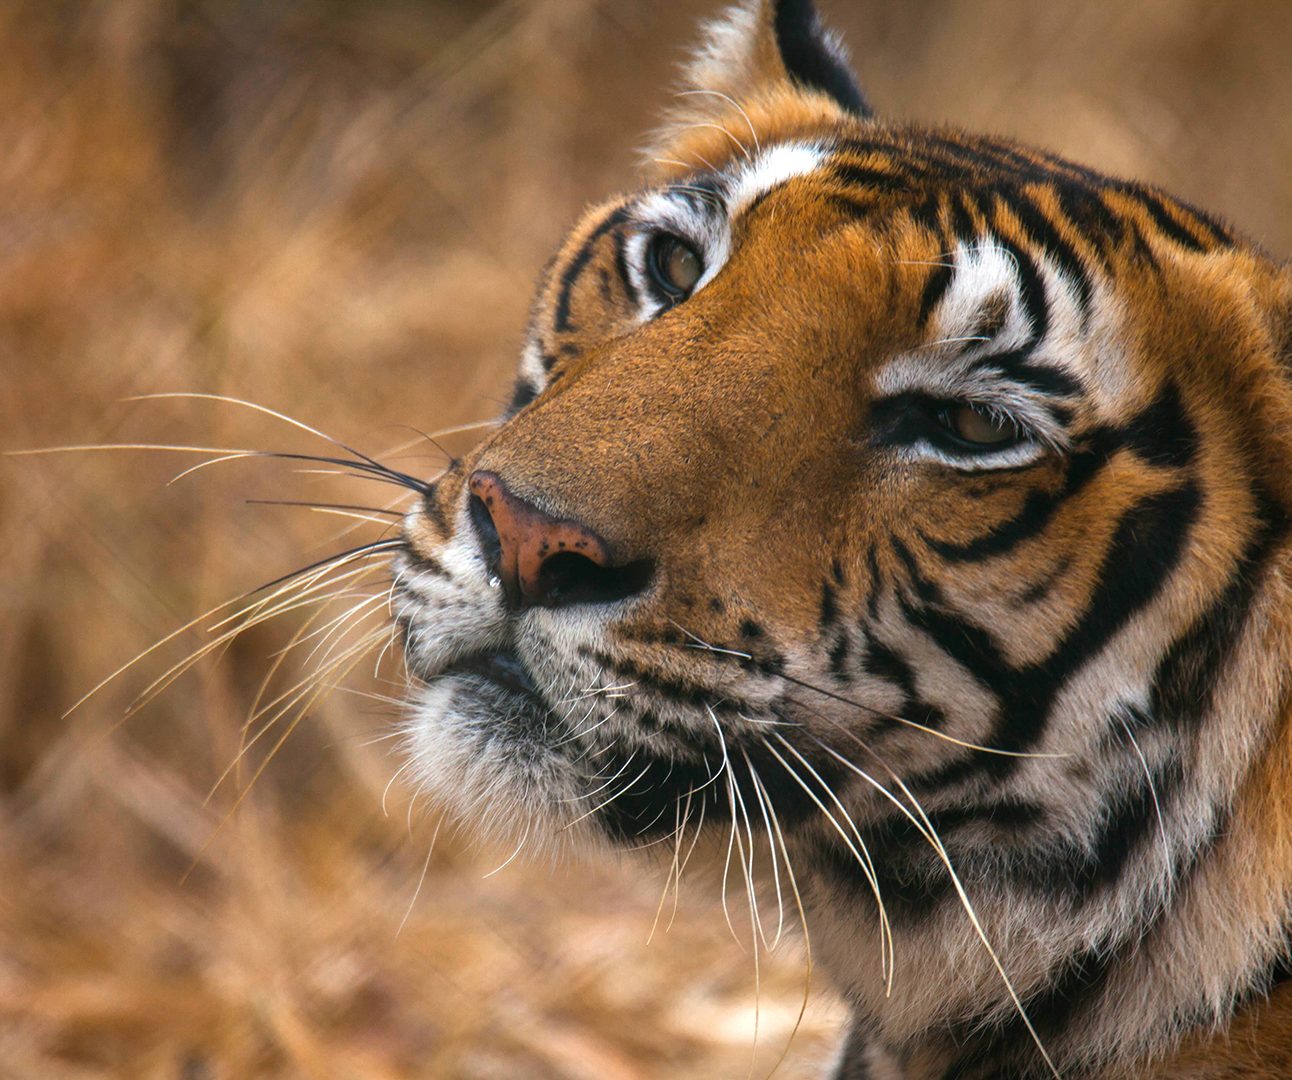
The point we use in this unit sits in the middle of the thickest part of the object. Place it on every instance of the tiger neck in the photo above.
(1181, 966)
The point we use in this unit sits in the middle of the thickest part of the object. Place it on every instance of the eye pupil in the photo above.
(974, 425)
(674, 265)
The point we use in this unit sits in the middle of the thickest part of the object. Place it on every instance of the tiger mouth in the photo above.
(499, 668)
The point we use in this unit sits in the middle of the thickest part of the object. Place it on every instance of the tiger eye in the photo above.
(973, 425)
(675, 265)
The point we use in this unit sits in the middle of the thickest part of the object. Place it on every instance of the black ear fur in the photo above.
(813, 58)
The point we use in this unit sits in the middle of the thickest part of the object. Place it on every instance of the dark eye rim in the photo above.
(658, 248)
(911, 417)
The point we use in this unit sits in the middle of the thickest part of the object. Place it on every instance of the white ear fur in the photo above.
(753, 50)
(737, 54)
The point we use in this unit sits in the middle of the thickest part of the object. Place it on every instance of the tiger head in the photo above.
(912, 507)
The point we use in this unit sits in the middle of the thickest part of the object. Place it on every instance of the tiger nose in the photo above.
(542, 561)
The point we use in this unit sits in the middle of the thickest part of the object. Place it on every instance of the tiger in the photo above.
(908, 509)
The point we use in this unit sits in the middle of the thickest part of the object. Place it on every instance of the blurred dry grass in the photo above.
(336, 209)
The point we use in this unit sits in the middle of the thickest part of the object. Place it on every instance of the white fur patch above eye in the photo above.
(982, 349)
(769, 169)
(983, 275)
(704, 220)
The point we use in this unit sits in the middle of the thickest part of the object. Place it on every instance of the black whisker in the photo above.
(376, 545)
(451, 459)
(368, 466)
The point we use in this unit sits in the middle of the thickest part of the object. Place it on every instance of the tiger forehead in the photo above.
(952, 182)
(919, 195)
(954, 178)
(955, 187)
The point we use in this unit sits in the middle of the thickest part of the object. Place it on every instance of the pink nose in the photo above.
(536, 557)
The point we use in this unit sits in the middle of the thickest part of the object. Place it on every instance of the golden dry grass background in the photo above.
(336, 209)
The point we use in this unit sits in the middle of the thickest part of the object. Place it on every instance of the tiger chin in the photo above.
(914, 504)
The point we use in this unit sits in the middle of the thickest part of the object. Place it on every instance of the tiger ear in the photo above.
(761, 46)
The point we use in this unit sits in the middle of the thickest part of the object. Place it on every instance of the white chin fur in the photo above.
(484, 757)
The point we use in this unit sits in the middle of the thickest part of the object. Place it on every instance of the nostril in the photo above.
(545, 561)
(487, 533)
(570, 578)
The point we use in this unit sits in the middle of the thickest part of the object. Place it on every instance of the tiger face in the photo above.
(914, 505)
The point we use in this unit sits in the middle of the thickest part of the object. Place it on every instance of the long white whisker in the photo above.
(1157, 806)
(734, 104)
(421, 880)
(771, 844)
(860, 854)
(977, 925)
(512, 857)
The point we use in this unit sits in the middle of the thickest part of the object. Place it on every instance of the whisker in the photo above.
(734, 104)
(977, 925)
(925, 827)
(601, 806)
(798, 900)
(421, 880)
(360, 551)
(510, 858)
(260, 769)
(371, 462)
(776, 873)
(718, 127)
(862, 856)
(682, 819)
(1157, 806)
(311, 684)
(879, 714)
(323, 506)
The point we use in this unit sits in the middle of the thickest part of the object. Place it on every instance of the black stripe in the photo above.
(1042, 587)
(839, 658)
(852, 208)
(829, 613)
(1043, 233)
(872, 597)
(1162, 218)
(927, 213)
(963, 226)
(1091, 217)
(1031, 290)
(1186, 677)
(1038, 510)
(522, 394)
(653, 788)
(1016, 365)
(912, 878)
(1145, 549)
(865, 176)
(935, 288)
(621, 267)
(883, 663)
(1162, 435)
(570, 275)
(694, 695)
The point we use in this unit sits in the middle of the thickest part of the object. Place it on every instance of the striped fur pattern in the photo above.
(1010, 717)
